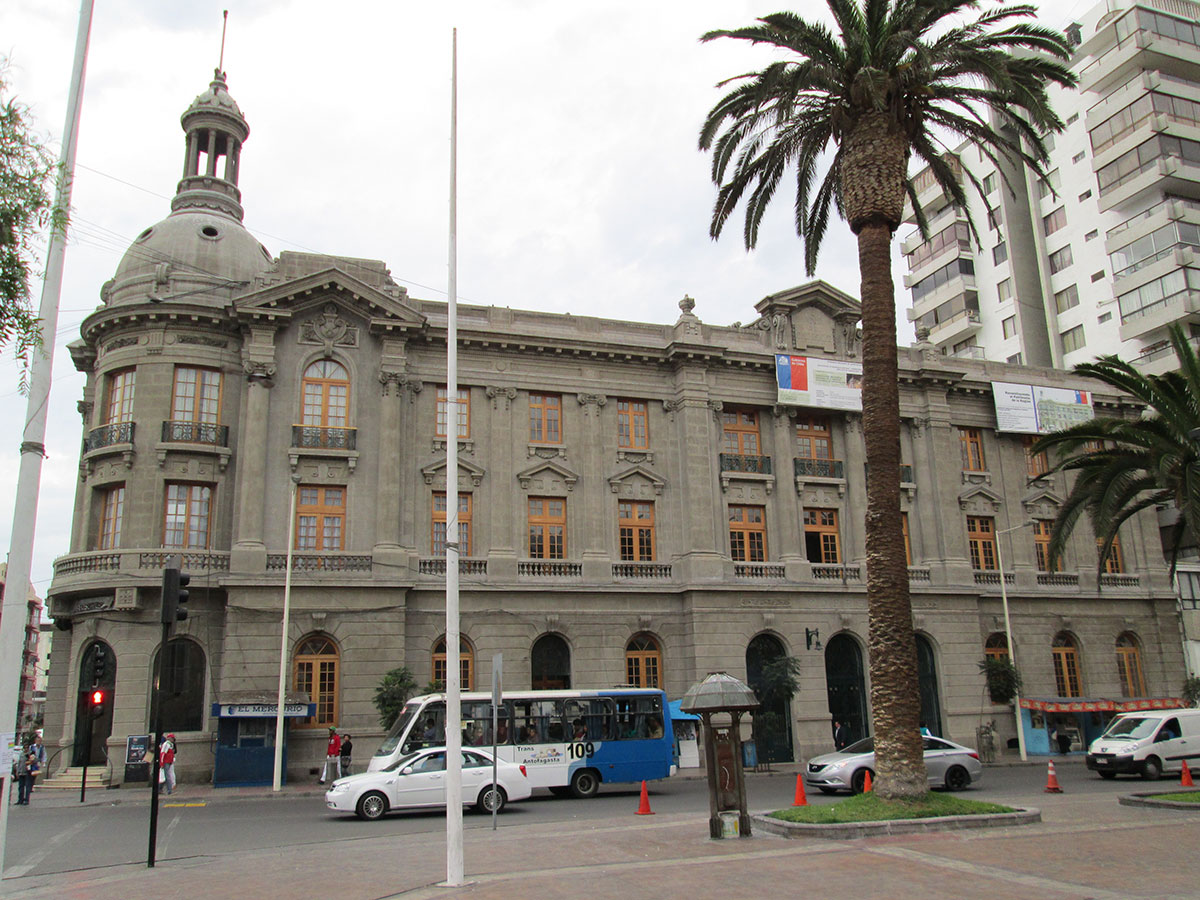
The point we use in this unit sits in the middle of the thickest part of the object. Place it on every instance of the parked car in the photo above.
(418, 781)
(949, 765)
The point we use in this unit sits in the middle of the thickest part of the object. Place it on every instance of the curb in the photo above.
(1158, 801)
(849, 830)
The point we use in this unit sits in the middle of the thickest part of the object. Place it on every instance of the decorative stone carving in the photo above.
(330, 331)
(717, 407)
(781, 331)
(496, 393)
(203, 340)
(586, 400)
(260, 373)
(118, 343)
(85, 408)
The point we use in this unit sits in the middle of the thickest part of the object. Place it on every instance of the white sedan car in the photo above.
(418, 781)
(947, 764)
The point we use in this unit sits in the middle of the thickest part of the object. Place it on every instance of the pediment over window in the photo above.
(977, 500)
(547, 476)
(437, 470)
(634, 474)
(1041, 504)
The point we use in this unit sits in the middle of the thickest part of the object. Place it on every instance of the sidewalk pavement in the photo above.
(1087, 846)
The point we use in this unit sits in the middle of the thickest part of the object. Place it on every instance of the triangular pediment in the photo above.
(633, 473)
(437, 469)
(547, 475)
(814, 318)
(978, 500)
(1041, 504)
(293, 297)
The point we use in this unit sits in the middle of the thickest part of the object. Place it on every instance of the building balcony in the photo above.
(1118, 580)
(961, 325)
(1157, 316)
(1057, 579)
(992, 576)
(1162, 175)
(641, 571)
(819, 468)
(113, 439)
(323, 442)
(1141, 50)
(436, 565)
(743, 571)
(836, 572)
(138, 561)
(738, 462)
(195, 433)
(548, 568)
(318, 563)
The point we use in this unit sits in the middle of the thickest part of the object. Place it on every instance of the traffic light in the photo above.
(98, 699)
(174, 596)
(99, 665)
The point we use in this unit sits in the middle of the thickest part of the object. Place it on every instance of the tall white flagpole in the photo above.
(277, 784)
(33, 448)
(454, 821)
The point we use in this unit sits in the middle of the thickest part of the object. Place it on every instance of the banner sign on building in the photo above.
(1033, 409)
(824, 383)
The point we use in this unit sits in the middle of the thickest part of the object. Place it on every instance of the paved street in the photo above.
(1086, 846)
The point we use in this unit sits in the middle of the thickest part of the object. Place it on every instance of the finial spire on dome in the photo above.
(216, 131)
(224, 25)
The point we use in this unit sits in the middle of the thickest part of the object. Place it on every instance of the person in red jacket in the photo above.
(333, 756)
(167, 762)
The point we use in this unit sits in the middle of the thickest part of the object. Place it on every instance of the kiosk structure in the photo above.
(245, 752)
(718, 695)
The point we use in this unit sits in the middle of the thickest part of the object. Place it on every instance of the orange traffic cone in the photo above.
(801, 797)
(1186, 780)
(1052, 781)
(867, 782)
(644, 806)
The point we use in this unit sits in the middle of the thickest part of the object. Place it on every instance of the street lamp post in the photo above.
(1012, 650)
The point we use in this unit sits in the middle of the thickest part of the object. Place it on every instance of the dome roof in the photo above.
(217, 101)
(185, 253)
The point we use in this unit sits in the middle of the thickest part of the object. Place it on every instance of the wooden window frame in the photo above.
(635, 532)
(1114, 563)
(824, 524)
(740, 432)
(633, 424)
(1129, 667)
(438, 523)
(541, 524)
(908, 557)
(320, 405)
(1042, 529)
(193, 508)
(545, 418)
(1036, 464)
(970, 443)
(202, 392)
(324, 514)
(996, 646)
(112, 514)
(1067, 679)
(118, 405)
(462, 409)
(814, 437)
(319, 675)
(643, 662)
(980, 540)
(466, 663)
(747, 533)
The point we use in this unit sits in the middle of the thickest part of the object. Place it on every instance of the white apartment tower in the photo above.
(1106, 255)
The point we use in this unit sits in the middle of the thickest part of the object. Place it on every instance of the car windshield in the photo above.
(866, 745)
(1131, 728)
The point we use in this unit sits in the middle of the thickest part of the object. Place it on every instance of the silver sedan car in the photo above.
(949, 765)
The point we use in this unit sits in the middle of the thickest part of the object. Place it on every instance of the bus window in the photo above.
(396, 732)
(429, 729)
(531, 721)
(596, 715)
(477, 724)
(639, 718)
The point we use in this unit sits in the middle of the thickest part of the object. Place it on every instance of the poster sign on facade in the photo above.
(823, 383)
(1033, 409)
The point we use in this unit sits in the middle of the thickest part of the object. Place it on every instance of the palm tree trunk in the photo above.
(895, 698)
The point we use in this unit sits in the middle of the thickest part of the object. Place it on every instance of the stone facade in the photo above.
(367, 583)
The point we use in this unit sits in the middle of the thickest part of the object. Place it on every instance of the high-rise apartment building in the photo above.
(1102, 256)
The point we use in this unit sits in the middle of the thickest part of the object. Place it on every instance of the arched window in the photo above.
(1129, 666)
(326, 391)
(996, 646)
(1066, 666)
(466, 663)
(550, 663)
(181, 686)
(316, 669)
(643, 662)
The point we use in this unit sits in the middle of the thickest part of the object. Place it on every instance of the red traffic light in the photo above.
(97, 698)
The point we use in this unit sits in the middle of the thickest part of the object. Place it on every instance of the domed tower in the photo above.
(200, 253)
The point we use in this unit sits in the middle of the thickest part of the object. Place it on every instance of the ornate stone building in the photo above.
(635, 504)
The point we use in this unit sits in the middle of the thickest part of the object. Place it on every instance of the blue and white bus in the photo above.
(568, 741)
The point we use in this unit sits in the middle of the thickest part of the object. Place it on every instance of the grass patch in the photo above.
(1185, 797)
(871, 808)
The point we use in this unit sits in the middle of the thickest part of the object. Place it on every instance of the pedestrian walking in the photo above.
(840, 736)
(22, 770)
(166, 763)
(333, 756)
(39, 752)
(347, 750)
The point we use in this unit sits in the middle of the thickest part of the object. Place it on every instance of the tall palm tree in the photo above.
(1124, 466)
(892, 81)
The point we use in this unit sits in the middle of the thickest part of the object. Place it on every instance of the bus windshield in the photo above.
(397, 730)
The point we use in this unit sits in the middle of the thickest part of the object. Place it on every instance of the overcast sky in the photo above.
(580, 187)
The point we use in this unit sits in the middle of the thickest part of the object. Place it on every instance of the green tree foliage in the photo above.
(893, 80)
(27, 171)
(393, 692)
(1123, 466)
(1003, 679)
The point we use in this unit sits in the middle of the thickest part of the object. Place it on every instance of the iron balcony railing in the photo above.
(317, 437)
(740, 462)
(107, 435)
(195, 433)
(819, 468)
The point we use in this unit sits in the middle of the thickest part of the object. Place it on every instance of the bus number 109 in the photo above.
(580, 751)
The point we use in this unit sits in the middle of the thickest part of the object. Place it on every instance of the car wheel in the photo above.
(826, 790)
(859, 781)
(491, 798)
(1152, 768)
(371, 806)
(560, 790)
(585, 783)
(1108, 776)
(957, 778)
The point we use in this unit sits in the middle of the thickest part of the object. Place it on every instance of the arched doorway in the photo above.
(772, 720)
(97, 669)
(550, 663)
(931, 707)
(181, 688)
(846, 686)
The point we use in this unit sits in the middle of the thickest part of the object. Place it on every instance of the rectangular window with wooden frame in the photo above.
(739, 428)
(633, 428)
(981, 540)
(187, 516)
(1036, 464)
(462, 411)
(1114, 563)
(635, 530)
(814, 437)
(970, 442)
(747, 534)
(1041, 545)
(196, 395)
(439, 524)
(821, 536)
(1129, 668)
(907, 539)
(320, 518)
(119, 407)
(112, 512)
(547, 528)
(545, 418)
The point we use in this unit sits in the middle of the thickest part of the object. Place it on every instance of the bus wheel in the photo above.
(560, 790)
(585, 783)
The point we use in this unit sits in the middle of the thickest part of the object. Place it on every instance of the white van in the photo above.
(1147, 743)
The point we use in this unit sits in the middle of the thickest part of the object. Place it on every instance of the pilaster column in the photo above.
(593, 517)
(249, 550)
(789, 532)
